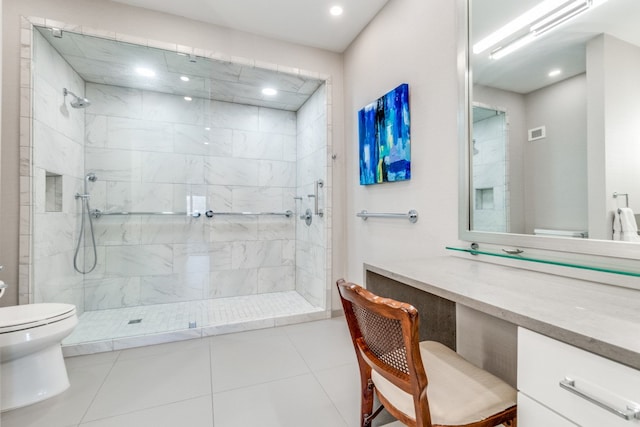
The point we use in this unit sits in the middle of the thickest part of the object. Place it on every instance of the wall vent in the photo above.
(537, 133)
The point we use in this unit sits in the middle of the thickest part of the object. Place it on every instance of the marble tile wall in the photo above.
(58, 133)
(489, 173)
(157, 152)
(311, 241)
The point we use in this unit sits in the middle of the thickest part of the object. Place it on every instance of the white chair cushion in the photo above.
(459, 393)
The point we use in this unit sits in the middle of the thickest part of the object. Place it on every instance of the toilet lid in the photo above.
(19, 317)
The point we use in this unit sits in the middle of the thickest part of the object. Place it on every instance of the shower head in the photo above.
(91, 177)
(78, 102)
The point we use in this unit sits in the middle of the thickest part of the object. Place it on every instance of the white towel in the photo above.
(624, 226)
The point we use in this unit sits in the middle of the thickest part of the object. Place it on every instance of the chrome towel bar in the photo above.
(412, 215)
(626, 198)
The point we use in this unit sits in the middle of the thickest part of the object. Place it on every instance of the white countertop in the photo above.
(600, 318)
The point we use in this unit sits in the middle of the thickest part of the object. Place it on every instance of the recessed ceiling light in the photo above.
(554, 73)
(207, 128)
(145, 72)
(206, 143)
(184, 78)
(188, 98)
(269, 91)
(336, 10)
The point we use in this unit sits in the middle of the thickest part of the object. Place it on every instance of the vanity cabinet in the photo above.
(563, 329)
(562, 385)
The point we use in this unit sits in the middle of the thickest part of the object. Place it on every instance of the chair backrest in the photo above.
(385, 336)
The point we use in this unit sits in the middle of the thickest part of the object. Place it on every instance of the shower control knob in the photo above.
(209, 213)
(196, 214)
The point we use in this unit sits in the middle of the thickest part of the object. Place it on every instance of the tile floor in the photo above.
(289, 376)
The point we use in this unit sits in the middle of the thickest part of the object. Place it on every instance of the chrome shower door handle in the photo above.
(318, 185)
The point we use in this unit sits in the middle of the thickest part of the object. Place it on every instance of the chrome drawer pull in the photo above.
(628, 414)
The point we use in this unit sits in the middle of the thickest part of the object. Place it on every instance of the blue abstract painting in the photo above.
(385, 143)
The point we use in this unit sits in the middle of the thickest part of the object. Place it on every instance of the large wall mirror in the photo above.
(550, 91)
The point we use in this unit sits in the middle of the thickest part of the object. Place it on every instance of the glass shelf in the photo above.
(544, 261)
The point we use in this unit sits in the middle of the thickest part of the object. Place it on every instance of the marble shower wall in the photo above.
(490, 201)
(311, 241)
(57, 175)
(155, 152)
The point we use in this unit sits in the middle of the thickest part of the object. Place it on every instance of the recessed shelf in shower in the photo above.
(53, 192)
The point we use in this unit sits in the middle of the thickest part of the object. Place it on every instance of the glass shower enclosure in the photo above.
(174, 195)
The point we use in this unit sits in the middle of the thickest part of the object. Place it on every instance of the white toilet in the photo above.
(31, 364)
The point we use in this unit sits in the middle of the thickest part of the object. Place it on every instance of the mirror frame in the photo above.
(601, 248)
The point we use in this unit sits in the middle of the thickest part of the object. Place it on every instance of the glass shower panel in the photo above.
(199, 183)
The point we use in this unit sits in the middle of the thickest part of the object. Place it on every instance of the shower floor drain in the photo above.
(134, 321)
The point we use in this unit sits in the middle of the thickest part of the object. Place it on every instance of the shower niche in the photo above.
(172, 136)
(53, 192)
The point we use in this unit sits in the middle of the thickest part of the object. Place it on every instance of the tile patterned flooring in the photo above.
(106, 330)
(290, 376)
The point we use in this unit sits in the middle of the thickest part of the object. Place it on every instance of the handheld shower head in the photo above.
(78, 102)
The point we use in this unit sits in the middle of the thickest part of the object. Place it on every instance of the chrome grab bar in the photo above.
(412, 215)
(318, 184)
(97, 213)
(630, 413)
(211, 214)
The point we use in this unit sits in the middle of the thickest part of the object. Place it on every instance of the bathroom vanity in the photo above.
(578, 342)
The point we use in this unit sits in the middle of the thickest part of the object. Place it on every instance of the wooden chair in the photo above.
(422, 384)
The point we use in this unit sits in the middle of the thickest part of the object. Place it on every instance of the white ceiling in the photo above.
(527, 69)
(305, 22)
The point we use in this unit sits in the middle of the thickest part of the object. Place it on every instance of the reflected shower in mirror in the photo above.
(565, 74)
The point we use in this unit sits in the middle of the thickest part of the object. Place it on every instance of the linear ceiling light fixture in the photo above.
(503, 51)
(562, 15)
(522, 21)
(549, 21)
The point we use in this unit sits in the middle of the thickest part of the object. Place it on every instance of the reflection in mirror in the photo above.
(489, 191)
(566, 76)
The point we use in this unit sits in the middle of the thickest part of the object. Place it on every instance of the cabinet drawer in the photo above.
(533, 414)
(543, 363)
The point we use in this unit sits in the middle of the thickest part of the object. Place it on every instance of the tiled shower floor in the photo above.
(115, 329)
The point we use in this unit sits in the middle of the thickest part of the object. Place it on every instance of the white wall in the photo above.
(114, 17)
(414, 42)
(556, 166)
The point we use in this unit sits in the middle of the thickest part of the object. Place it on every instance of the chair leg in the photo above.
(366, 405)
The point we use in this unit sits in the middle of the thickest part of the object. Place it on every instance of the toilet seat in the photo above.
(21, 317)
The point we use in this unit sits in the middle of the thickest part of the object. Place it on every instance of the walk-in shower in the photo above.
(193, 227)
